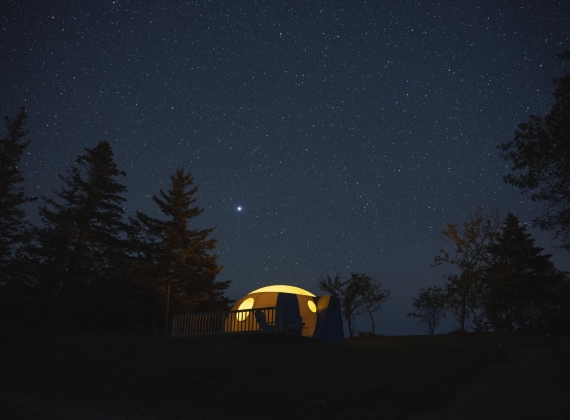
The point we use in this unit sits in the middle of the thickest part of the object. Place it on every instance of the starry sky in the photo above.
(347, 132)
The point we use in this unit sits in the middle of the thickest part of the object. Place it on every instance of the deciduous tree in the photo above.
(374, 298)
(471, 258)
(357, 295)
(430, 307)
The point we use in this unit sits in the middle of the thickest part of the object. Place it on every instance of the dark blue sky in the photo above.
(349, 132)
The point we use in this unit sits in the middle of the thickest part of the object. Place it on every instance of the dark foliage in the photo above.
(521, 281)
(465, 290)
(14, 230)
(358, 295)
(87, 270)
(16, 234)
(504, 282)
(430, 307)
(540, 156)
(171, 253)
(82, 244)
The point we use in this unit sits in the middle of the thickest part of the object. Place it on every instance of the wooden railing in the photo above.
(249, 321)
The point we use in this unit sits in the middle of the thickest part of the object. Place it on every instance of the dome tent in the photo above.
(312, 316)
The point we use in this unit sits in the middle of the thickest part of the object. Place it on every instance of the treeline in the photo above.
(89, 267)
(501, 281)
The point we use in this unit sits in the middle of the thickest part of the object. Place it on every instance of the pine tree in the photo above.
(520, 278)
(83, 244)
(149, 301)
(14, 229)
(179, 256)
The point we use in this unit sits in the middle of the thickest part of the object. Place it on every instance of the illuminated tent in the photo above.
(301, 312)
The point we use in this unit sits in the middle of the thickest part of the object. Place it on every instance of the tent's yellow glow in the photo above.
(281, 288)
(312, 306)
(246, 304)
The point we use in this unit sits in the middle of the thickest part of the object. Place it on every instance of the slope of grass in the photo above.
(210, 378)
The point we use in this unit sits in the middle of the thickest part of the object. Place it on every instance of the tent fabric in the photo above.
(329, 320)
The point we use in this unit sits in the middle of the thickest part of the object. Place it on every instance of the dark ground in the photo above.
(415, 377)
(525, 386)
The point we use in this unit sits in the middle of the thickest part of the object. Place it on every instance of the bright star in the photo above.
(239, 208)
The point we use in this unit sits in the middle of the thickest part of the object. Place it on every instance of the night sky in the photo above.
(348, 132)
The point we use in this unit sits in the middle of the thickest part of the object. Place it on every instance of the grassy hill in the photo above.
(222, 378)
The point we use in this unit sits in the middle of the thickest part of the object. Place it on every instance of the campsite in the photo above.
(136, 377)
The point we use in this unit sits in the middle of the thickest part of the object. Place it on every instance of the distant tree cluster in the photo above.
(503, 282)
(91, 268)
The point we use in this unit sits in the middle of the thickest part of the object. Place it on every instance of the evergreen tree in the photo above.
(173, 254)
(149, 287)
(14, 229)
(520, 279)
(83, 245)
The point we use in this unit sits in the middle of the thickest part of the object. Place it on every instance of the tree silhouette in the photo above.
(373, 299)
(540, 153)
(178, 256)
(83, 246)
(520, 279)
(471, 257)
(357, 295)
(430, 307)
(14, 229)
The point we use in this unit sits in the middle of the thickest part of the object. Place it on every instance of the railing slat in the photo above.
(257, 321)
